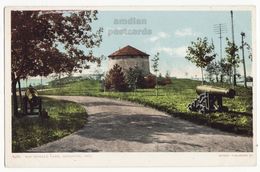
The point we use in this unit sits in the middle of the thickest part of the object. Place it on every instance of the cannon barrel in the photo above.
(230, 93)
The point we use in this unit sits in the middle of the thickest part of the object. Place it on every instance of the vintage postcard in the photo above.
(130, 86)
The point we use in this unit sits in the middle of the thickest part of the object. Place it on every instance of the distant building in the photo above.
(129, 57)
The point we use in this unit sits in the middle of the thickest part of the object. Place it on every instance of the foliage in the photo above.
(45, 42)
(232, 53)
(115, 79)
(65, 118)
(135, 78)
(160, 79)
(225, 68)
(232, 58)
(155, 61)
(200, 53)
(249, 49)
(164, 80)
(155, 67)
(150, 81)
(37, 38)
(245, 44)
(174, 99)
(213, 69)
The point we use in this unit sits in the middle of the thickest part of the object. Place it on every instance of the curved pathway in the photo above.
(121, 126)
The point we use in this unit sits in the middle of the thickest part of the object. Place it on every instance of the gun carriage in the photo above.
(32, 99)
(210, 99)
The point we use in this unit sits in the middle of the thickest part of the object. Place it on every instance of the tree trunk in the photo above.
(156, 85)
(230, 77)
(14, 96)
(202, 77)
(20, 94)
(235, 77)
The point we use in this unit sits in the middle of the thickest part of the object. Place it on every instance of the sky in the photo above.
(169, 33)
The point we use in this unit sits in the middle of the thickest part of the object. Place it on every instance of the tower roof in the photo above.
(128, 51)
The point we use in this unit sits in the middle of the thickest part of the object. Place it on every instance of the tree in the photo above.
(200, 53)
(210, 72)
(213, 69)
(115, 79)
(249, 50)
(45, 42)
(225, 68)
(135, 78)
(155, 65)
(245, 44)
(232, 57)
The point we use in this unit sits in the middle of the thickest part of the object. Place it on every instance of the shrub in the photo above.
(164, 80)
(150, 81)
(115, 79)
(167, 80)
(160, 80)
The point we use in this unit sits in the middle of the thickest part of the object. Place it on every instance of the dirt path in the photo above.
(120, 126)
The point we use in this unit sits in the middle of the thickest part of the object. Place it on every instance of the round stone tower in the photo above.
(130, 57)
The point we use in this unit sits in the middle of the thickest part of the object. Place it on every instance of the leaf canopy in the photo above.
(45, 42)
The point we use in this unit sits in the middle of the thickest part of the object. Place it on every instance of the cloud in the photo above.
(175, 51)
(185, 32)
(180, 51)
(186, 72)
(158, 36)
(166, 50)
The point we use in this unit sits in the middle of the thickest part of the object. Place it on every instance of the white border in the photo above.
(125, 159)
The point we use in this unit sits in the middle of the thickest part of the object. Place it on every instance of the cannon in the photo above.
(32, 99)
(210, 99)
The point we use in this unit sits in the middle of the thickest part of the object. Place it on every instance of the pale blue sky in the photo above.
(172, 32)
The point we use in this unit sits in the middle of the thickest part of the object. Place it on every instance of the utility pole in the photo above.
(243, 55)
(220, 29)
(233, 42)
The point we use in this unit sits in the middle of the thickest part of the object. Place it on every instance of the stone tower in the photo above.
(129, 57)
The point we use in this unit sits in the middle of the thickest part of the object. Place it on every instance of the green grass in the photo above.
(65, 118)
(174, 99)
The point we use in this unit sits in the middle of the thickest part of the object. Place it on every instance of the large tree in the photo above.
(200, 53)
(45, 42)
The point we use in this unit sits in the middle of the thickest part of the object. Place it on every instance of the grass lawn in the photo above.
(174, 100)
(65, 118)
